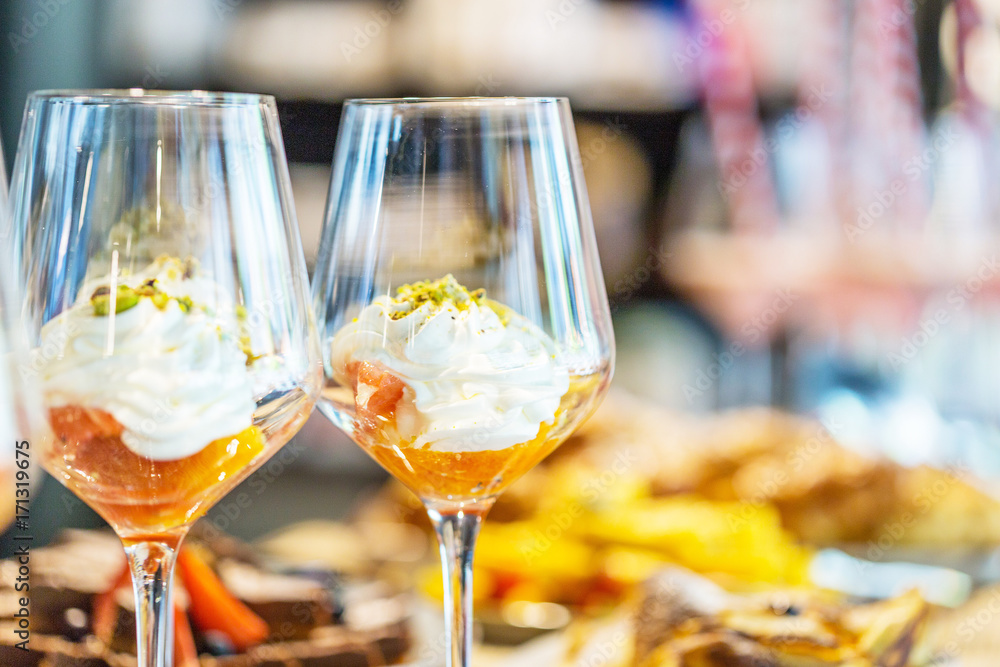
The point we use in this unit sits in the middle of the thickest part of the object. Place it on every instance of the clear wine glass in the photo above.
(21, 420)
(166, 300)
(463, 318)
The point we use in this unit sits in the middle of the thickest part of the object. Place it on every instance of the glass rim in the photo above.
(473, 101)
(180, 98)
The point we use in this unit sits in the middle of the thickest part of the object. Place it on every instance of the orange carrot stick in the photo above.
(185, 652)
(212, 607)
(105, 607)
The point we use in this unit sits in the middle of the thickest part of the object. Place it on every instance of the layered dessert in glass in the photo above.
(150, 397)
(455, 394)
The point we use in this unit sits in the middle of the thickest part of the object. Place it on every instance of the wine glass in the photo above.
(22, 423)
(463, 319)
(165, 295)
(21, 420)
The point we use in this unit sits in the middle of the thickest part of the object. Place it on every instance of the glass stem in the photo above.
(457, 528)
(152, 565)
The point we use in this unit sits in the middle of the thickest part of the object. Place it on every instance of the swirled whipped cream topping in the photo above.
(166, 366)
(482, 376)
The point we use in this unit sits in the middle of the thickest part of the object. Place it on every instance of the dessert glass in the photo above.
(165, 297)
(463, 317)
(21, 420)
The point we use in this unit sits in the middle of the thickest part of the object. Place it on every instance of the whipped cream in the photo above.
(478, 383)
(174, 377)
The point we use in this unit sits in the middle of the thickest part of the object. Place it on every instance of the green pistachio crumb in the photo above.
(246, 348)
(441, 291)
(125, 298)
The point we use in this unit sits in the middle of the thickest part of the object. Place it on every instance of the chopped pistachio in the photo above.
(148, 288)
(245, 347)
(441, 291)
(191, 267)
(125, 298)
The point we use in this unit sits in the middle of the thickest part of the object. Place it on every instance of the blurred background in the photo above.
(793, 199)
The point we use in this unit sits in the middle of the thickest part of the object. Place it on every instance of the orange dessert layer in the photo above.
(462, 475)
(138, 495)
(381, 398)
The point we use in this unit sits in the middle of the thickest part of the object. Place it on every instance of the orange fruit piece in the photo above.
(377, 394)
(84, 423)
